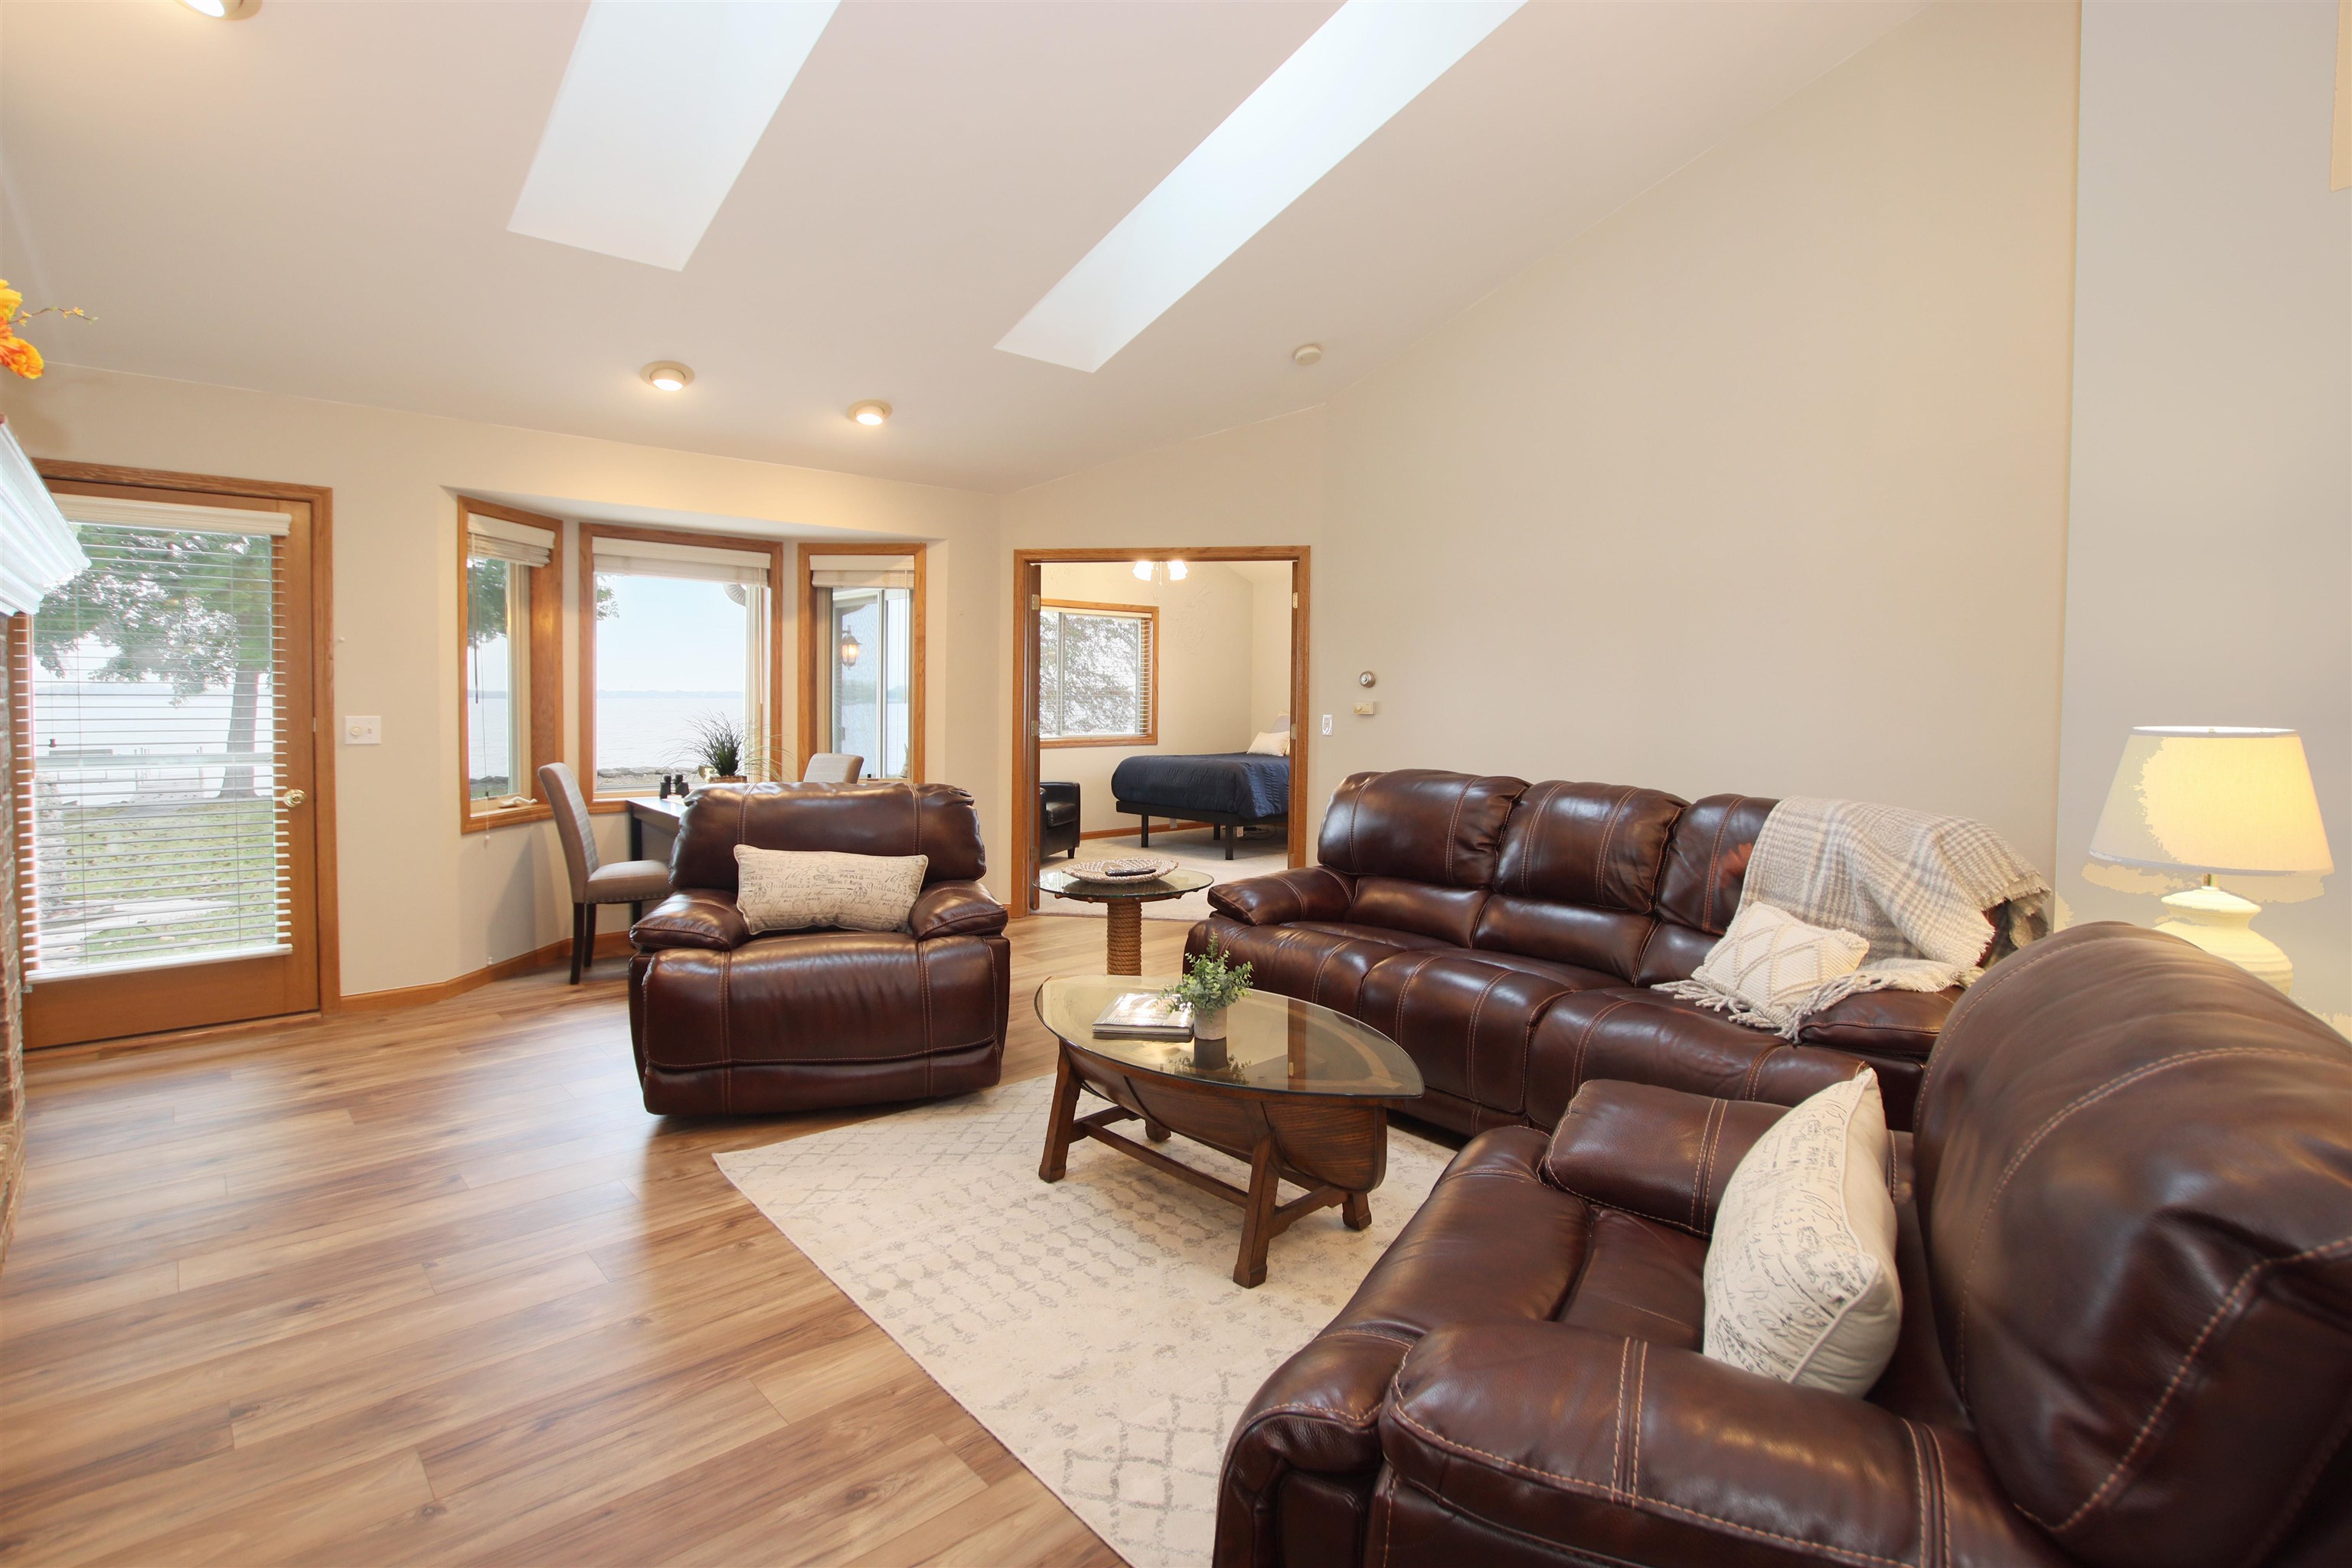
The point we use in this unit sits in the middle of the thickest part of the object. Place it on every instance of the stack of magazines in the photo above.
(1144, 1016)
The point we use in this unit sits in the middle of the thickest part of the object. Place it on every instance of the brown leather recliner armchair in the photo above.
(1508, 935)
(726, 1023)
(2127, 1269)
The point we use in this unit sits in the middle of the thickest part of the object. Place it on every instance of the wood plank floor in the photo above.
(431, 1286)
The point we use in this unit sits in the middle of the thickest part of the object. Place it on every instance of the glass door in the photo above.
(862, 658)
(170, 858)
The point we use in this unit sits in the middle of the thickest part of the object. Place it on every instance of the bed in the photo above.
(1228, 791)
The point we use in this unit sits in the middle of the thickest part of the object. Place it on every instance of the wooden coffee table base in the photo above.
(1323, 1132)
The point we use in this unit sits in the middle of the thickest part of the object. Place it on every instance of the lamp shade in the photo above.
(2238, 802)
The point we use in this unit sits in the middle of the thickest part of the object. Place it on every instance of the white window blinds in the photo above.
(695, 563)
(156, 836)
(862, 571)
(496, 539)
(1094, 676)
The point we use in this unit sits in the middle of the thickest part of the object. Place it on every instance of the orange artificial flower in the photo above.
(15, 354)
(20, 356)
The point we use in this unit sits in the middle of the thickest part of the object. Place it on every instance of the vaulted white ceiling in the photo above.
(316, 202)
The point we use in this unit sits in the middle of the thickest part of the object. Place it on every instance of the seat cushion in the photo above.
(1466, 1017)
(629, 882)
(1641, 1280)
(1313, 962)
(1648, 1036)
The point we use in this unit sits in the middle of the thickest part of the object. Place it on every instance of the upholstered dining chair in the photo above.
(833, 767)
(623, 882)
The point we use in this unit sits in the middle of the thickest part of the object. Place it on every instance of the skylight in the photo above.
(1370, 60)
(659, 111)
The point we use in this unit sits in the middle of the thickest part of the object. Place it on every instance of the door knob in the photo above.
(292, 798)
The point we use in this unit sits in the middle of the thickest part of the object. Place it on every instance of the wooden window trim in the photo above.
(590, 533)
(813, 665)
(546, 655)
(1151, 736)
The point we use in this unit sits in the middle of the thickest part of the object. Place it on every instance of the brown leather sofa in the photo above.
(2127, 1341)
(726, 1023)
(1506, 935)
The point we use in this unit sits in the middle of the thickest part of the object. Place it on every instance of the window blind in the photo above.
(152, 830)
(695, 563)
(1094, 673)
(496, 539)
(861, 571)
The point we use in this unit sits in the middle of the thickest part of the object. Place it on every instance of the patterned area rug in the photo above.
(1093, 1325)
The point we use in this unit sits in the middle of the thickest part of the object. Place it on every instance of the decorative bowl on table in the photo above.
(1124, 869)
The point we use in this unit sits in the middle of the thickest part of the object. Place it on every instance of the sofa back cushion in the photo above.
(880, 817)
(1417, 825)
(2134, 1169)
(1698, 886)
(1577, 873)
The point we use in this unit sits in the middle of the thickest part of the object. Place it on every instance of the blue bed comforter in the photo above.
(1242, 783)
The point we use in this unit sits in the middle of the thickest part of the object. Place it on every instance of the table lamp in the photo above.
(2235, 803)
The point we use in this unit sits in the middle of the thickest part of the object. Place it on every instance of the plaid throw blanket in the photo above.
(1916, 887)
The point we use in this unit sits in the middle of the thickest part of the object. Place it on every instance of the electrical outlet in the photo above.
(1327, 723)
(363, 730)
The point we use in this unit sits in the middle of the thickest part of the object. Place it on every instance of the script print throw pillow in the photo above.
(1799, 1282)
(802, 889)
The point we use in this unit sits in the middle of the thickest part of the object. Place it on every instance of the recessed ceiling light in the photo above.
(668, 375)
(224, 10)
(871, 412)
(1369, 60)
(1306, 353)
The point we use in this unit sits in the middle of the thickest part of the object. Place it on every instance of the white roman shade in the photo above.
(496, 539)
(862, 571)
(37, 549)
(695, 563)
(163, 517)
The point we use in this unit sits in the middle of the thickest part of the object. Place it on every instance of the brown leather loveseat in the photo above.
(2127, 1269)
(726, 1023)
(1506, 935)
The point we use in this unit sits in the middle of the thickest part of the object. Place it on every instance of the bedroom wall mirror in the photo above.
(1153, 715)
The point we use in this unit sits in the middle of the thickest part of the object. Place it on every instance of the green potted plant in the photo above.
(1211, 984)
(719, 747)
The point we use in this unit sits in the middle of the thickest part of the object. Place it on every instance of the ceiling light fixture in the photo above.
(1306, 353)
(659, 110)
(224, 10)
(668, 375)
(871, 412)
(1369, 60)
(1143, 571)
(1166, 571)
(1176, 571)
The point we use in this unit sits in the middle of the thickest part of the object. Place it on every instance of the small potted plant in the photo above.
(1211, 984)
(721, 751)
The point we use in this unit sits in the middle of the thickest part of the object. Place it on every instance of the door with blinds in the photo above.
(169, 872)
(864, 660)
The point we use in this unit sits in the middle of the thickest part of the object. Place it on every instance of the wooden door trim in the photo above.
(584, 598)
(326, 887)
(812, 649)
(1024, 803)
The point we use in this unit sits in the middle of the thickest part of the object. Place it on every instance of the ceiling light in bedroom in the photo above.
(1176, 570)
(224, 10)
(1367, 60)
(668, 375)
(1143, 571)
(871, 412)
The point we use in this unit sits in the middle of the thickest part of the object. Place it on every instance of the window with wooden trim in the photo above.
(862, 683)
(509, 657)
(680, 654)
(1097, 674)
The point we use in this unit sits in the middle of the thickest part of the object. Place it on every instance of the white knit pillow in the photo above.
(1800, 1281)
(796, 889)
(1772, 961)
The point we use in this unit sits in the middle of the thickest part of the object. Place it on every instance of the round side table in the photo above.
(1123, 908)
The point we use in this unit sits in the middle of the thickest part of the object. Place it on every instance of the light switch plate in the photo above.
(1366, 710)
(363, 730)
(1327, 723)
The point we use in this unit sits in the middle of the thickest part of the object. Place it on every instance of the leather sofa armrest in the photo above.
(955, 908)
(1319, 1413)
(1658, 1152)
(1308, 893)
(1644, 1453)
(703, 918)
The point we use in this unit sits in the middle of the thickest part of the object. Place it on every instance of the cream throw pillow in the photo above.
(796, 889)
(1270, 744)
(1799, 1282)
(1772, 961)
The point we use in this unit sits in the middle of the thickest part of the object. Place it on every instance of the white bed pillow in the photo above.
(798, 889)
(1772, 961)
(1270, 744)
(1800, 1281)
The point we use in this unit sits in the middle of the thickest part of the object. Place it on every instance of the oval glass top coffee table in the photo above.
(1304, 1098)
(1123, 908)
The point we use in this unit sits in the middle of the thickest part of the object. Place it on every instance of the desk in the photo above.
(653, 827)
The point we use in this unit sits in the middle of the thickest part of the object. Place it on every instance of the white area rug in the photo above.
(1092, 1324)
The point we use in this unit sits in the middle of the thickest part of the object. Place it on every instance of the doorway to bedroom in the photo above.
(1157, 701)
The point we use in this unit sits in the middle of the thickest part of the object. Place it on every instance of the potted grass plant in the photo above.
(1211, 984)
(719, 748)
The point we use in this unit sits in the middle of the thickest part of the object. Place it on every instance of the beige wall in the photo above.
(2210, 567)
(1758, 486)
(422, 903)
